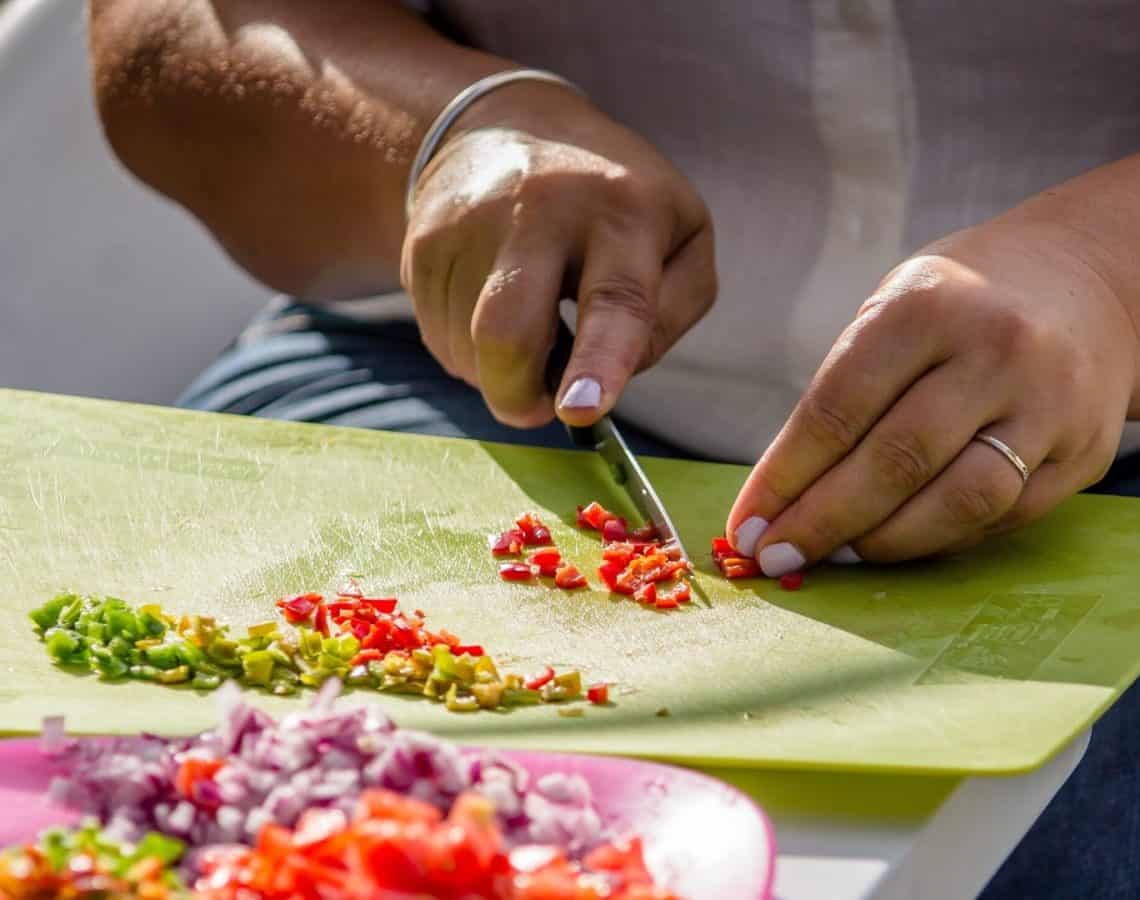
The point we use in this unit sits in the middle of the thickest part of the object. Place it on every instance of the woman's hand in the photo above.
(538, 196)
(1008, 329)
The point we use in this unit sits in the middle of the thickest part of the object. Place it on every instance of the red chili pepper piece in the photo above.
(682, 593)
(298, 609)
(722, 549)
(321, 622)
(594, 516)
(548, 560)
(667, 601)
(383, 604)
(740, 567)
(534, 533)
(647, 594)
(538, 681)
(568, 578)
(469, 649)
(516, 571)
(615, 529)
(366, 656)
(509, 543)
(598, 693)
(793, 581)
(646, 533)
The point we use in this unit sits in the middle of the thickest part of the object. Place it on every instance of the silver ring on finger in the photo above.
(1006, 451)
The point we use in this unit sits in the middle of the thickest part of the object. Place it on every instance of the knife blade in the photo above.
(606, 439)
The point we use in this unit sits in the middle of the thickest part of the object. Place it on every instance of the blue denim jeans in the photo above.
(304, 364)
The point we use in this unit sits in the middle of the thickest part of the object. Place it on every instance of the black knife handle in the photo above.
(556, 365)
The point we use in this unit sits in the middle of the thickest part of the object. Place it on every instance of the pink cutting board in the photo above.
(704, 839)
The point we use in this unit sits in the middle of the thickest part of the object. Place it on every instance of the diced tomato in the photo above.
(594, 516)
(534, 533)
(547, 559)
(191, 774)
(298, 609)
(598, 693)
(615, 529)
(538, 681)
(647, 594)
(625, 858)
(469, 649)
(516, 571)
(568, 578)
(793, 581)
(509, 543)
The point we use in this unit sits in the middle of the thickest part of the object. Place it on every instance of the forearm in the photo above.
(286, 126)
(1097, 217)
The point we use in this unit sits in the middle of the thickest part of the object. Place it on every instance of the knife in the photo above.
(605, 438)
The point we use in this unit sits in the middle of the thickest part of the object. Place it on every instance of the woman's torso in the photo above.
(830, 138)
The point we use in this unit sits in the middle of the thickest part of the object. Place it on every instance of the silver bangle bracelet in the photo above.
(457, 107)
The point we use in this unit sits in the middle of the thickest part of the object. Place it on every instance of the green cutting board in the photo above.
(986, 664)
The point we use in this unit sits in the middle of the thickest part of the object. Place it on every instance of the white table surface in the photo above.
(948, 852)
(85, 250)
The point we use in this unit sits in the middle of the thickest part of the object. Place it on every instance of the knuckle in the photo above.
(902, 461)
(622, 293)
(823, 532)
(828, 424)
(975, 504)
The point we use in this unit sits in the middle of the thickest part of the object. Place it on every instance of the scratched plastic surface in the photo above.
(986, 664)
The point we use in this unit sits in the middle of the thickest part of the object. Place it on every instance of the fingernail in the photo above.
(585, 393)
(844, 556)
(780, 559)
(748, 533)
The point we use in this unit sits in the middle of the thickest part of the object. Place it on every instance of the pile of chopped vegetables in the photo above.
(86, 864)
(634, 562)
(322, 804)
(546, 562)
(366, 642)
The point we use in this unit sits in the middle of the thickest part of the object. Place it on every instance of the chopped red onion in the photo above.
(316, 758)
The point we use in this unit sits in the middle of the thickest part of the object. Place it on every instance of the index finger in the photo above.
(876, 359)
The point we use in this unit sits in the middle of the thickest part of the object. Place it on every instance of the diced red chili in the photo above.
(383, 604)
(298, 609)
(646, 533)
(598, 693)
(609, 572)
(568, 578)
(667, 601)
(681, 592)
(469, 649)
(615, 529)
(594, 516)
(366, 656)
(321, 622)
(516, 571)
(538, 681)
(740, 567)
(547, 559)
(647, 594)
(509, 543)
(534, 533)
(793, 581)
(722, 549)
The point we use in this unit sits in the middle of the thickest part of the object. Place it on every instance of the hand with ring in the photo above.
(986, 380)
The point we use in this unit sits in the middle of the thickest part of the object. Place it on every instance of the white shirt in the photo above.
(830, 139)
